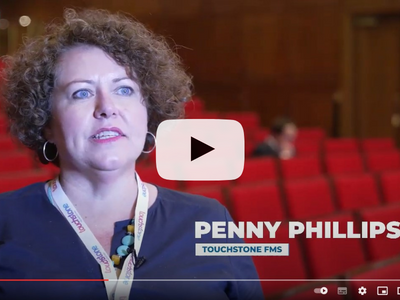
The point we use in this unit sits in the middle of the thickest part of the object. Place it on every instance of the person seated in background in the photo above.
(280, 142)
(88, 96)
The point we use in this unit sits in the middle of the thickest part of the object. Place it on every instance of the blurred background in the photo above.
(327, 63)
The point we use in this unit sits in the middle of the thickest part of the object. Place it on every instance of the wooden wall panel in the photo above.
(311, 43)
(263, 6)
(309, 108)
(372, 6)
(221, 7)
(276, 57)
(268, 100)
(262, 47)
(210, 59)
(173, 8)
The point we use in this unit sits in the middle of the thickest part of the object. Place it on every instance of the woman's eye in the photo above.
(81, 94)
(125, 91)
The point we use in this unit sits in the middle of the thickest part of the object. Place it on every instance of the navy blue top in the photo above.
(37, 242)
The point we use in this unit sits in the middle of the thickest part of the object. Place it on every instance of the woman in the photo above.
(86, 96)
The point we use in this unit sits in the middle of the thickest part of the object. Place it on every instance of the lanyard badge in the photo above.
(117, 289)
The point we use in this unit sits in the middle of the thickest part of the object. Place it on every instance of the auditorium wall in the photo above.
(273, 56)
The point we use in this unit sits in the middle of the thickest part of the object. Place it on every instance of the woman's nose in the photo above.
(105, 106)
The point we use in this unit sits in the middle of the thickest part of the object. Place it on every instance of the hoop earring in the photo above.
(154, 146)
(44, 152)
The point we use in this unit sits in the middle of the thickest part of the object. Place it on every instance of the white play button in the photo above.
(200, 149)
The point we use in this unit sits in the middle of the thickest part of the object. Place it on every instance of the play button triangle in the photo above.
(198, 148)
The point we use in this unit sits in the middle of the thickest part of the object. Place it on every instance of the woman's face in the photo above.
(99, 116)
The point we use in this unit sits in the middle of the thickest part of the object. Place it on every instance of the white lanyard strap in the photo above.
(116, 290)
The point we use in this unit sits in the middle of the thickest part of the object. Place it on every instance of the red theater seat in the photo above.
(259, 202)
(344, 163)
(7, 144)
(259, 134)
(15, 180)
(204, 115)
(382, 247)
(280, 267)
(341, 145)
(311, 133)
(15, 161)
(194, 105)
(50, 169)
(206, 184)
(308, 146)
(365, 279)
(258, 169)
(356, 191)
(248, 119)
(213, 192)
(333, 256)
(249, 147)
(150, 175)
(148, 159)
(390, 182)
(301, 167)
(377, 144)
(308, 197)
(382, 161)
(3, 125)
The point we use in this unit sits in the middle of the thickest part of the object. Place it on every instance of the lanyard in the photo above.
(116, 289)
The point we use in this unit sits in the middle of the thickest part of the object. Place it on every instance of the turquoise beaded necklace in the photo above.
(126, 246)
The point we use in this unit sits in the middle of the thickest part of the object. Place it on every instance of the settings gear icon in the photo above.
(362, 291)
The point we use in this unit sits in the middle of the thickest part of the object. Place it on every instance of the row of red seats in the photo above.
(10, 181)
(305, 198)
(327, 257)
(309, 141)
(328, 146)
(250, 120)
(256, 169)
(305, 146)
(3, 125)
(19, 169)
(265, 168)
(344, 145)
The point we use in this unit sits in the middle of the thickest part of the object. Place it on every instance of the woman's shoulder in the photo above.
(22, 204)
(21, 196)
